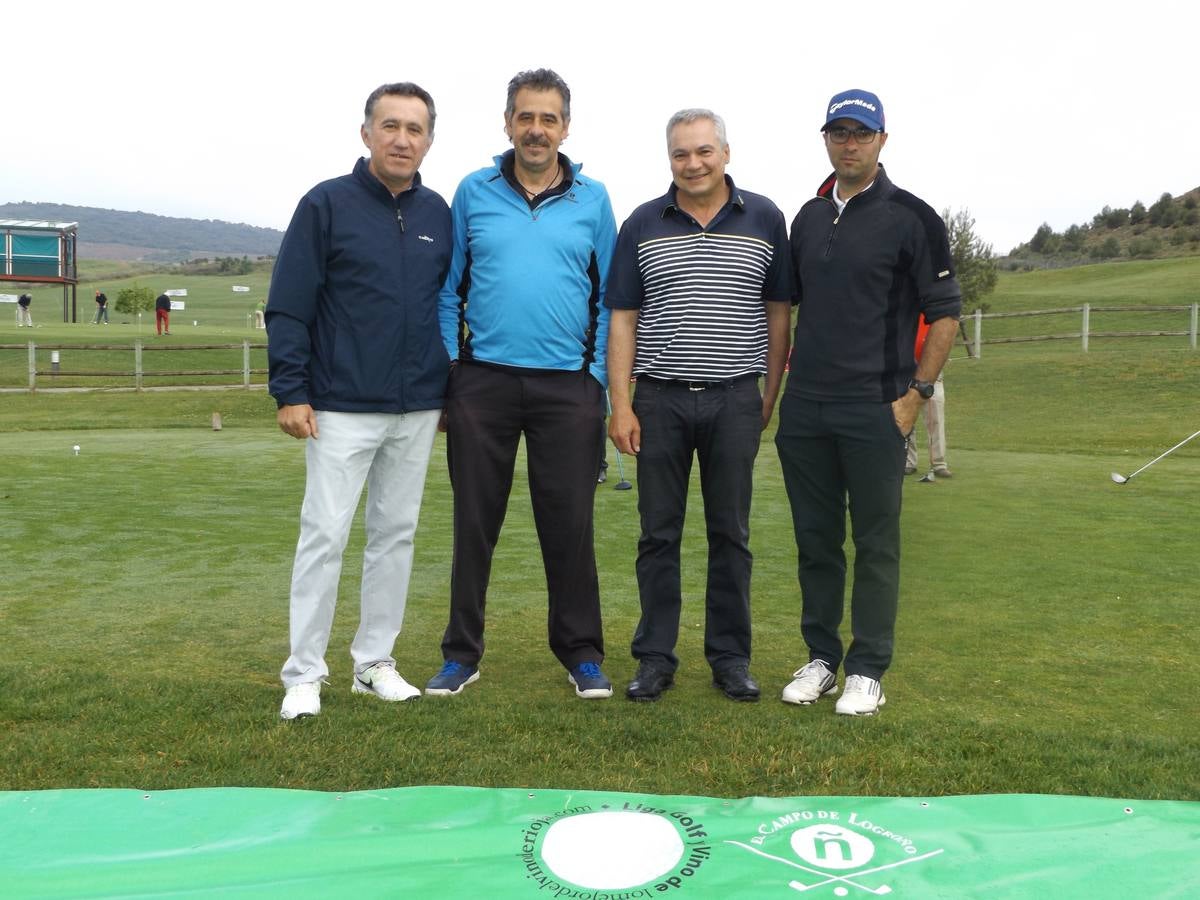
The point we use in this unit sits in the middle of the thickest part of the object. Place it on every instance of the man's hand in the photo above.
(625, 431)
(768, 408)
(905, 409)
(298, 420)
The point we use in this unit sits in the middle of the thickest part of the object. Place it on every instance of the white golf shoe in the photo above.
(810, 683)
(301, 700)
(862, 696)
(385, 683)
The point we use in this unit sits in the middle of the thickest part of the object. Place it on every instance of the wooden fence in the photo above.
(1085, 328)
(138, 372)
(974, 344)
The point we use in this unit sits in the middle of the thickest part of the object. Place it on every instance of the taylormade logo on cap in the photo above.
(855, 102)
(862, 106)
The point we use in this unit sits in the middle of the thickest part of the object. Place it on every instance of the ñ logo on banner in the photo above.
(836, 855)
(832, 847)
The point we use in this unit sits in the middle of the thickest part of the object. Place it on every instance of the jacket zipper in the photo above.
(403, 306)
(837, 217)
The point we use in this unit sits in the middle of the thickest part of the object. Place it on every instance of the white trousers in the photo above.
(389, 453)
(935, 427)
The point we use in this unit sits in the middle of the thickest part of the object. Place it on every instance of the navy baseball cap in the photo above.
(862, 106)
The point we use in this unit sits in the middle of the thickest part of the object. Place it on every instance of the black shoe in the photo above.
(736, 683)
(649, 682)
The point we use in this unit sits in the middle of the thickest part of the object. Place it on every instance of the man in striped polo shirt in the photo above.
(700, 293)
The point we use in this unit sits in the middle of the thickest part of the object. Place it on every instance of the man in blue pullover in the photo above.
(522, 314)
(359, 372)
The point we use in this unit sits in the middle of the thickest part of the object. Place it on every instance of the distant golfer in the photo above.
(869, 258)
(701, 292)
(23, 316)
(358, 369)
(101, 308)
(162, 314)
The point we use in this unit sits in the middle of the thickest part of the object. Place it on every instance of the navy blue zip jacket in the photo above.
(352, 321)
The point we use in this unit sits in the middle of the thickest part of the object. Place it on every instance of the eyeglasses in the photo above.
(840, 135)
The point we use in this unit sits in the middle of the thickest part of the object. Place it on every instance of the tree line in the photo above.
(1137, 231)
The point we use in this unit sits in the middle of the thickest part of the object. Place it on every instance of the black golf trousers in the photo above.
(488, 408)
(832, 453)
(722, 426)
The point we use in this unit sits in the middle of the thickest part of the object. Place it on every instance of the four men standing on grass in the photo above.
(701, 292)
(379, 291)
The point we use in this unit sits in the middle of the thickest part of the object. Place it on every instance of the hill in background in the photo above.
(1169, 227)
(116, 234)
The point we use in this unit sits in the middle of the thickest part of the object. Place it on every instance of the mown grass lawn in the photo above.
(1045, 640)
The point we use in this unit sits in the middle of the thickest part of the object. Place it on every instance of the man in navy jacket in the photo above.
(358, 369)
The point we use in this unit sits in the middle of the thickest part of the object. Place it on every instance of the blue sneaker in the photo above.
(450, 681)
(589, 681)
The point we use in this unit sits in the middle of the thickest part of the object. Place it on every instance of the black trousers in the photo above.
(560, 414)
(722, 425)
(831, 453)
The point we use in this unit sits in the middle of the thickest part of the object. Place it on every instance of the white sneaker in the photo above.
(810, 683)
(385, 683)
(301, 700)
(862, 696)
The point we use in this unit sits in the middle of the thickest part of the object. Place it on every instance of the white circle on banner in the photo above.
(611, 850)
(832, 847)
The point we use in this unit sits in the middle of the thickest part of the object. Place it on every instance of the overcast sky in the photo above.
(1022, 112)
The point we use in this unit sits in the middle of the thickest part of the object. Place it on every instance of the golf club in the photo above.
(621, 485)
(1121, 479)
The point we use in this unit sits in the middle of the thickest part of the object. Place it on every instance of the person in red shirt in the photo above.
(935, 423)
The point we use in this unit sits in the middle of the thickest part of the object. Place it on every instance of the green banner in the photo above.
(448, 842)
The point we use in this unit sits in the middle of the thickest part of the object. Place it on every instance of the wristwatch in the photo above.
(924, 388)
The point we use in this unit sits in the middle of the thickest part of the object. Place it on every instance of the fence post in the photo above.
(978, 332)
(32, 367)
(246, 364)
(1195, 317)
(1087, 316)
(137, 366)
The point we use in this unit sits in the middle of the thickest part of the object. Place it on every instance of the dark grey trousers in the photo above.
(834, 455)
(722, 426)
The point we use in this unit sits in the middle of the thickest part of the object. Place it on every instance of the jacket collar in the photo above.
(362, 172)
(505, 160)
(879, 187)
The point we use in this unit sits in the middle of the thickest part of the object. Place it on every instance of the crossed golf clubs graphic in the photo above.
(830, 879)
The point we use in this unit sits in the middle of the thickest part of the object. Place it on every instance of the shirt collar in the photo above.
(735, 200)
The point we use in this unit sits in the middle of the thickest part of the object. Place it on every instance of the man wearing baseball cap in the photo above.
(870, 258)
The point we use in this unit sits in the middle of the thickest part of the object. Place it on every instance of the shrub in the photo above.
(1164, 212)
(133, 300)
(1107, 249)
(1144, 247)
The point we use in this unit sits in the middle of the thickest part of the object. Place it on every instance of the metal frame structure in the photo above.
(20, 267)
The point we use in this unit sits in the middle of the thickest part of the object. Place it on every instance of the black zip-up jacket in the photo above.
(352, 312)
(863, 278)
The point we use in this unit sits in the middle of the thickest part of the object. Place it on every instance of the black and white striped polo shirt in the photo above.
(700, 291)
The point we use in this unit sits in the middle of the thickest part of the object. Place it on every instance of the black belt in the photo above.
(697, 385)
